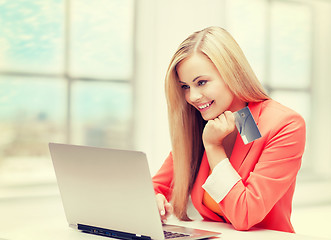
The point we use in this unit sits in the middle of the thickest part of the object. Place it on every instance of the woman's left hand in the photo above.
(216, 130)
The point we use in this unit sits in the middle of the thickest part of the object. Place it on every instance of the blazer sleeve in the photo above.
(250, 200)
(162, 180)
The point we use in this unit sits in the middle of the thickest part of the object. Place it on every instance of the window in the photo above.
(290, 59)
(287, 44)
(66, 69)
(279, 48)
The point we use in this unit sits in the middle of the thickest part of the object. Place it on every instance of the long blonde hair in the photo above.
(185, 122)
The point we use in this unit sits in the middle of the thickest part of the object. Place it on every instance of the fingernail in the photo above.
(162, 212)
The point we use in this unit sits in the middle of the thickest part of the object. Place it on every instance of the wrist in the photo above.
(213, 147)
(215, 154)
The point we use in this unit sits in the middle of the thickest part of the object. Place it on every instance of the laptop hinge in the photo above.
(111, 233)
(73, 226)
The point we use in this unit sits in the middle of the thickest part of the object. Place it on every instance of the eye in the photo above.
(202, 82)
(185, 86)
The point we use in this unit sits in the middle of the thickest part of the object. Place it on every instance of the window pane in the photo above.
(298, 101)
(32, 113)
(31, 35)
(291, 47)
(246, 22)
(101, 114)
(102, 39)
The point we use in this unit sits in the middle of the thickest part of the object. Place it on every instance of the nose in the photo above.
(194, 94)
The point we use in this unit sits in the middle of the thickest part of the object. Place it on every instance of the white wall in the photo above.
(321, 109)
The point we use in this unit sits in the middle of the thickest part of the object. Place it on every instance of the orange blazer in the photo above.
(268, 168)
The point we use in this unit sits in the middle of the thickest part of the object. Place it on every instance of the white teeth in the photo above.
(204, 106)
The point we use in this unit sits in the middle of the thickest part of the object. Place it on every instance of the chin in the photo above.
(208, 117)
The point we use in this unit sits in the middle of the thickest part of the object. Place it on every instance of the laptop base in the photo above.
(110, 233)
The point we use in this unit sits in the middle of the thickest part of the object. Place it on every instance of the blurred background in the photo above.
(88, 73)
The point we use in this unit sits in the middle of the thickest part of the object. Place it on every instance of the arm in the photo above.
(250, 200)
(162, 180)
(213, 136)
(162, 183)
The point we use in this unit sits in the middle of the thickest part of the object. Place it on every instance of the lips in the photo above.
(205, 106)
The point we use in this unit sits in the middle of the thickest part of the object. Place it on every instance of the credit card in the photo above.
(246, 125)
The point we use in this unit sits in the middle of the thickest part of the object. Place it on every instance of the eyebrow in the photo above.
(196, 78)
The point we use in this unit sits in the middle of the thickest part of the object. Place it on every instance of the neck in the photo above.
(237, 104)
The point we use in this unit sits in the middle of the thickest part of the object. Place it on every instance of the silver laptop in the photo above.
(109, 192)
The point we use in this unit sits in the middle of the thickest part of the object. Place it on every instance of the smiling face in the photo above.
(204, 88)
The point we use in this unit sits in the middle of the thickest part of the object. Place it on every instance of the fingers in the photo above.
(227, 116)
(216, 130)
(227, 120)
(165, 208)
(168, 210)
(160, 199)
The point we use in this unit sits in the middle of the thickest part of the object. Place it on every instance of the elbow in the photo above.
(244, 224)
(241, 227)
(244, 218)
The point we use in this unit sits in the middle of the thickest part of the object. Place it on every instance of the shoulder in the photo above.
(274, 111)
(274, 117)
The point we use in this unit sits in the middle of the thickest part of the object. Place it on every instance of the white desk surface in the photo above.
(43, 218)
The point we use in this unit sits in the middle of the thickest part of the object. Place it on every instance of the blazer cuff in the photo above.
(221, 180)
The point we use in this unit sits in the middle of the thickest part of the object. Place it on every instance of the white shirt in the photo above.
(221, 180)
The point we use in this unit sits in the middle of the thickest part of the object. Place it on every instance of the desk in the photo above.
(42, 218)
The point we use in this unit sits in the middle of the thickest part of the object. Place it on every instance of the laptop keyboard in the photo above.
(169, 235)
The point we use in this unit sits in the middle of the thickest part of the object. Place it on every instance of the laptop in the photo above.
(109, 192)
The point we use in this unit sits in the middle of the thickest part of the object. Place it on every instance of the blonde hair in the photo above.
(185, 122)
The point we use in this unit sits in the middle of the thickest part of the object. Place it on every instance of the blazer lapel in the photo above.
(240, 150)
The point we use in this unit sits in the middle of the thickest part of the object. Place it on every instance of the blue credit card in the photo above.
(246, 125)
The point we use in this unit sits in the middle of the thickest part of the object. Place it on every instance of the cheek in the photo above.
(227, 100)
(223, 91)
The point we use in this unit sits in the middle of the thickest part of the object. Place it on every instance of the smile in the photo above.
(204, 106)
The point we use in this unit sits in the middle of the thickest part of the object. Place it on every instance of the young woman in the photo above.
(247, 185)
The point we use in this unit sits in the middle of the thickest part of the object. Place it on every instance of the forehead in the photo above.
(195, 65)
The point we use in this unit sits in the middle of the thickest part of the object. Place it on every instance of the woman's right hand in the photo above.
(217, 129)
(165, 208)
